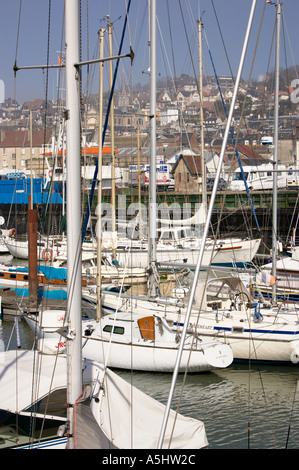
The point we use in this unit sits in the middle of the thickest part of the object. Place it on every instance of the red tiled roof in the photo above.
(248, 152)
(22, 138)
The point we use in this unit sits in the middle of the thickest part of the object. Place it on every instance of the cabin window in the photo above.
(107, 328)
(13, 276)
(118, 330)
(188, 177)
(237, 329)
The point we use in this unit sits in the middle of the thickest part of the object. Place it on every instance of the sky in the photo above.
(30, 35)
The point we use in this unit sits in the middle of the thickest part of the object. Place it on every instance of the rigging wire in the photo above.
(170, 34)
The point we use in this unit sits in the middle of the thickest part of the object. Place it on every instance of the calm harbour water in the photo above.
(242, 407)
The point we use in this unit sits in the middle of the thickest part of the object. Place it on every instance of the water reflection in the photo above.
(242, 407)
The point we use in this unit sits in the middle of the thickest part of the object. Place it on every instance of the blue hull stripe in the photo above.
(247, 330)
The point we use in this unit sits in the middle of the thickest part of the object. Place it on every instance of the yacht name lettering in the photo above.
(206, 327)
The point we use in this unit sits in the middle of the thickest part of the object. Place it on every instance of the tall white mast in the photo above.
(153, 138)
(100, 177)
(74, 282)
(202, 135)
(113, 198)
(275, 156)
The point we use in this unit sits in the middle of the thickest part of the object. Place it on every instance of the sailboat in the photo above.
(133, 342)
(178, 245)
(254, 331)
(99, 403)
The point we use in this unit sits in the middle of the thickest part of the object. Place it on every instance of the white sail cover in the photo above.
(133, 420)
(109, 240)
(28, 376)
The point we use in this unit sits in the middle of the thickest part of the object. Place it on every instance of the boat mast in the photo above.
(153, 275)
(202, 136)
(206, 229)
(275, 155)
(32, 238)
(99, 206)
(74, 281)
(113, 181)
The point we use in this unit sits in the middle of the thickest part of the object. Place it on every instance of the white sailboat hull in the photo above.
(274, 338)
(19, 249)
(127, 348)
(157, 357)
(260, 342)
(225, 253)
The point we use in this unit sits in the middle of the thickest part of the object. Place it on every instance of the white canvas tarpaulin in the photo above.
(132, 420)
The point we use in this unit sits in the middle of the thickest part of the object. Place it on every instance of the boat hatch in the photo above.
(147, 328)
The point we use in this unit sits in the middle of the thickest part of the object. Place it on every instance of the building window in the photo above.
(188, 177)
(13, 156)
(3, 151)
(180, 177)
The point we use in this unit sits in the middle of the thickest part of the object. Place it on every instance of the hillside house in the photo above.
(187, 174)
